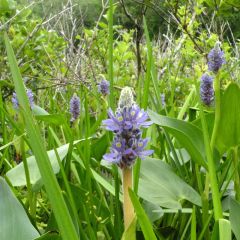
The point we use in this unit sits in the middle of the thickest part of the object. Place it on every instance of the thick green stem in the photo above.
(236, 180)
(212, 172)
(128, 209)
(217, 111)
(210, 149)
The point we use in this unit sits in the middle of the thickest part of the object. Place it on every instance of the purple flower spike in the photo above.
(206, 89)
(30, 98)
(74, 107)
(125, 123)
(103, 87)
(127, 118)
(216, 59)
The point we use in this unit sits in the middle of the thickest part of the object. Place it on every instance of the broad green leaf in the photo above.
(234, 218)
(17, 174)
(160, 185)
(229, 127)
(143, 220)
(153, 211)
(14, 222)
(188, 135)
(181, 154)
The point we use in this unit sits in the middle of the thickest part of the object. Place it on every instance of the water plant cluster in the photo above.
(108, 135)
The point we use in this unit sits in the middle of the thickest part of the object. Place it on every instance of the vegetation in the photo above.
(119, 120)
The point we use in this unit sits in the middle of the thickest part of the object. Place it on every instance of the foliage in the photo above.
(54, 177)
(40, 51)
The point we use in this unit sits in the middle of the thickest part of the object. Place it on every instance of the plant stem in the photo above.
(210, 149)
(128, 209)
(236, 180)
(110, 53)
(117, 210)
(217, 111)
(205, 205)
(27, 175)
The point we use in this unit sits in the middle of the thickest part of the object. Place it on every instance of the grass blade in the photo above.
(53, 190)
(145, 224)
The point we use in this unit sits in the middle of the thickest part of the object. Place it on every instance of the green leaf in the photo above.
(49, 236)
(188, 135)
(130, 233)
(17, 174)
(234, 217)
(39, 111)
(99, 147)
(153, 211)
(56, 119)
(224, 230)
(144, 222)
(229, 127)
(160, 185)
(6, 6)
(14, 222)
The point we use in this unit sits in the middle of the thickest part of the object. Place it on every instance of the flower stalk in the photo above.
(128, 209)
(128, 143)
(216, 84)
(211, 165)
(211, 175)
(215, 61)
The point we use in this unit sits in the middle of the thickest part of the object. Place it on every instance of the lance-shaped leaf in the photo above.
(188, 135)
(229, 126)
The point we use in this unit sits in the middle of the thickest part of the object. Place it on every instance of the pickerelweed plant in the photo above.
(128, 143)
(207, 93)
